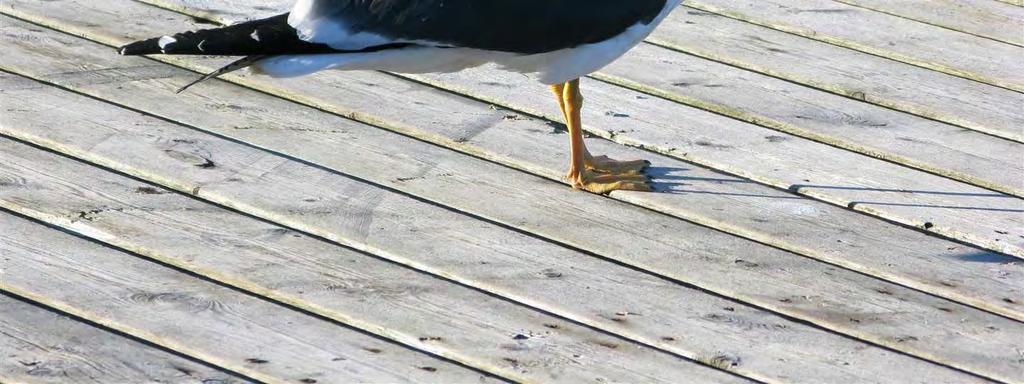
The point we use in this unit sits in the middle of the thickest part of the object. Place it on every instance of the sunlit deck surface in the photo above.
(840, 200)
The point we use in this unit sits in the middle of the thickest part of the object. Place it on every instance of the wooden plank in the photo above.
(301, 196)
(41, 346)
(160, 222)
(933, 203)
(928, 145)
(823, 66)
(720, 201)
(990, 19)
(200, 319)
(923, 45)
(880, 188)
(849, 73)
(376, 296)
(949, 151)
(388, 90)
(929, 202)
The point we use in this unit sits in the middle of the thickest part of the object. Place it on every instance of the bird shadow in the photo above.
(679, 180)
(674, 180)
(988, 258)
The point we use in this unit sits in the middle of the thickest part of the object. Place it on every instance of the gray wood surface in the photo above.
(40, 346)
(820, 171)
(197, 318)
(284, 191)
(636, 305)
(713, 199)
(950, 151)
(846, 72)
(391, 301)
(979, 158)
(458, 177)
(922, 143)
(806, 61)
(986, 18)
(919, 44)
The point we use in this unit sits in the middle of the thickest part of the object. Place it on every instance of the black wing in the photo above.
(523, 26)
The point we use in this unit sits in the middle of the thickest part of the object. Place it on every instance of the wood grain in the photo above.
(919, 44)
(717, 200)
(805, 61)
(377, 296)
(426, 183)
(949, 151)
(305, 197)
(197, 318)
(989, 19)
(41, 346)
(820, 171)
(852, 74)
(163, 224)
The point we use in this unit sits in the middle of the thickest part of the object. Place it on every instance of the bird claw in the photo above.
(605, 164)
(604, 183)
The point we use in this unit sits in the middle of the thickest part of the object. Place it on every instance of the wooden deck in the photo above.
(841, 199)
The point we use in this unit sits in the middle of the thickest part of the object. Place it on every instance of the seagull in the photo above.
(555, 41)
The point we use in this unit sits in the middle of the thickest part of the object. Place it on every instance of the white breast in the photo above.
(572, 63)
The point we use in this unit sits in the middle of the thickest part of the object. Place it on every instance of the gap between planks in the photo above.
(808, 191)
(44, 345)
(103, 222)
(202, 318)
(825, 67)
(920, 13)
(932, 288)
(939, 160)
(854, 203)
(108, 219)
(947, 112)
(795, 130)
(206, 191)
(719, 8)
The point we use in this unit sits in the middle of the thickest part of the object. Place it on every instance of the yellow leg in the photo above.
(595, 174)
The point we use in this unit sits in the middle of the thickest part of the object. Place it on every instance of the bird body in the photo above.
(557, 41)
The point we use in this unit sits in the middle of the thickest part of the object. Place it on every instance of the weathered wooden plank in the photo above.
(936, 48)
(165, 224)
(301, 196)
(720, 201)
(880, 188)
(40, 346)
(842, 71)
(932, 146)
(203, 320)
(989, 19)
(946, 150)
(936, 204)
(363, 291)
(729, 188)
(824, 66)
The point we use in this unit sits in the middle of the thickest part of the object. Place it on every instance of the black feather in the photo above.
(256, 40)
(270, 36)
